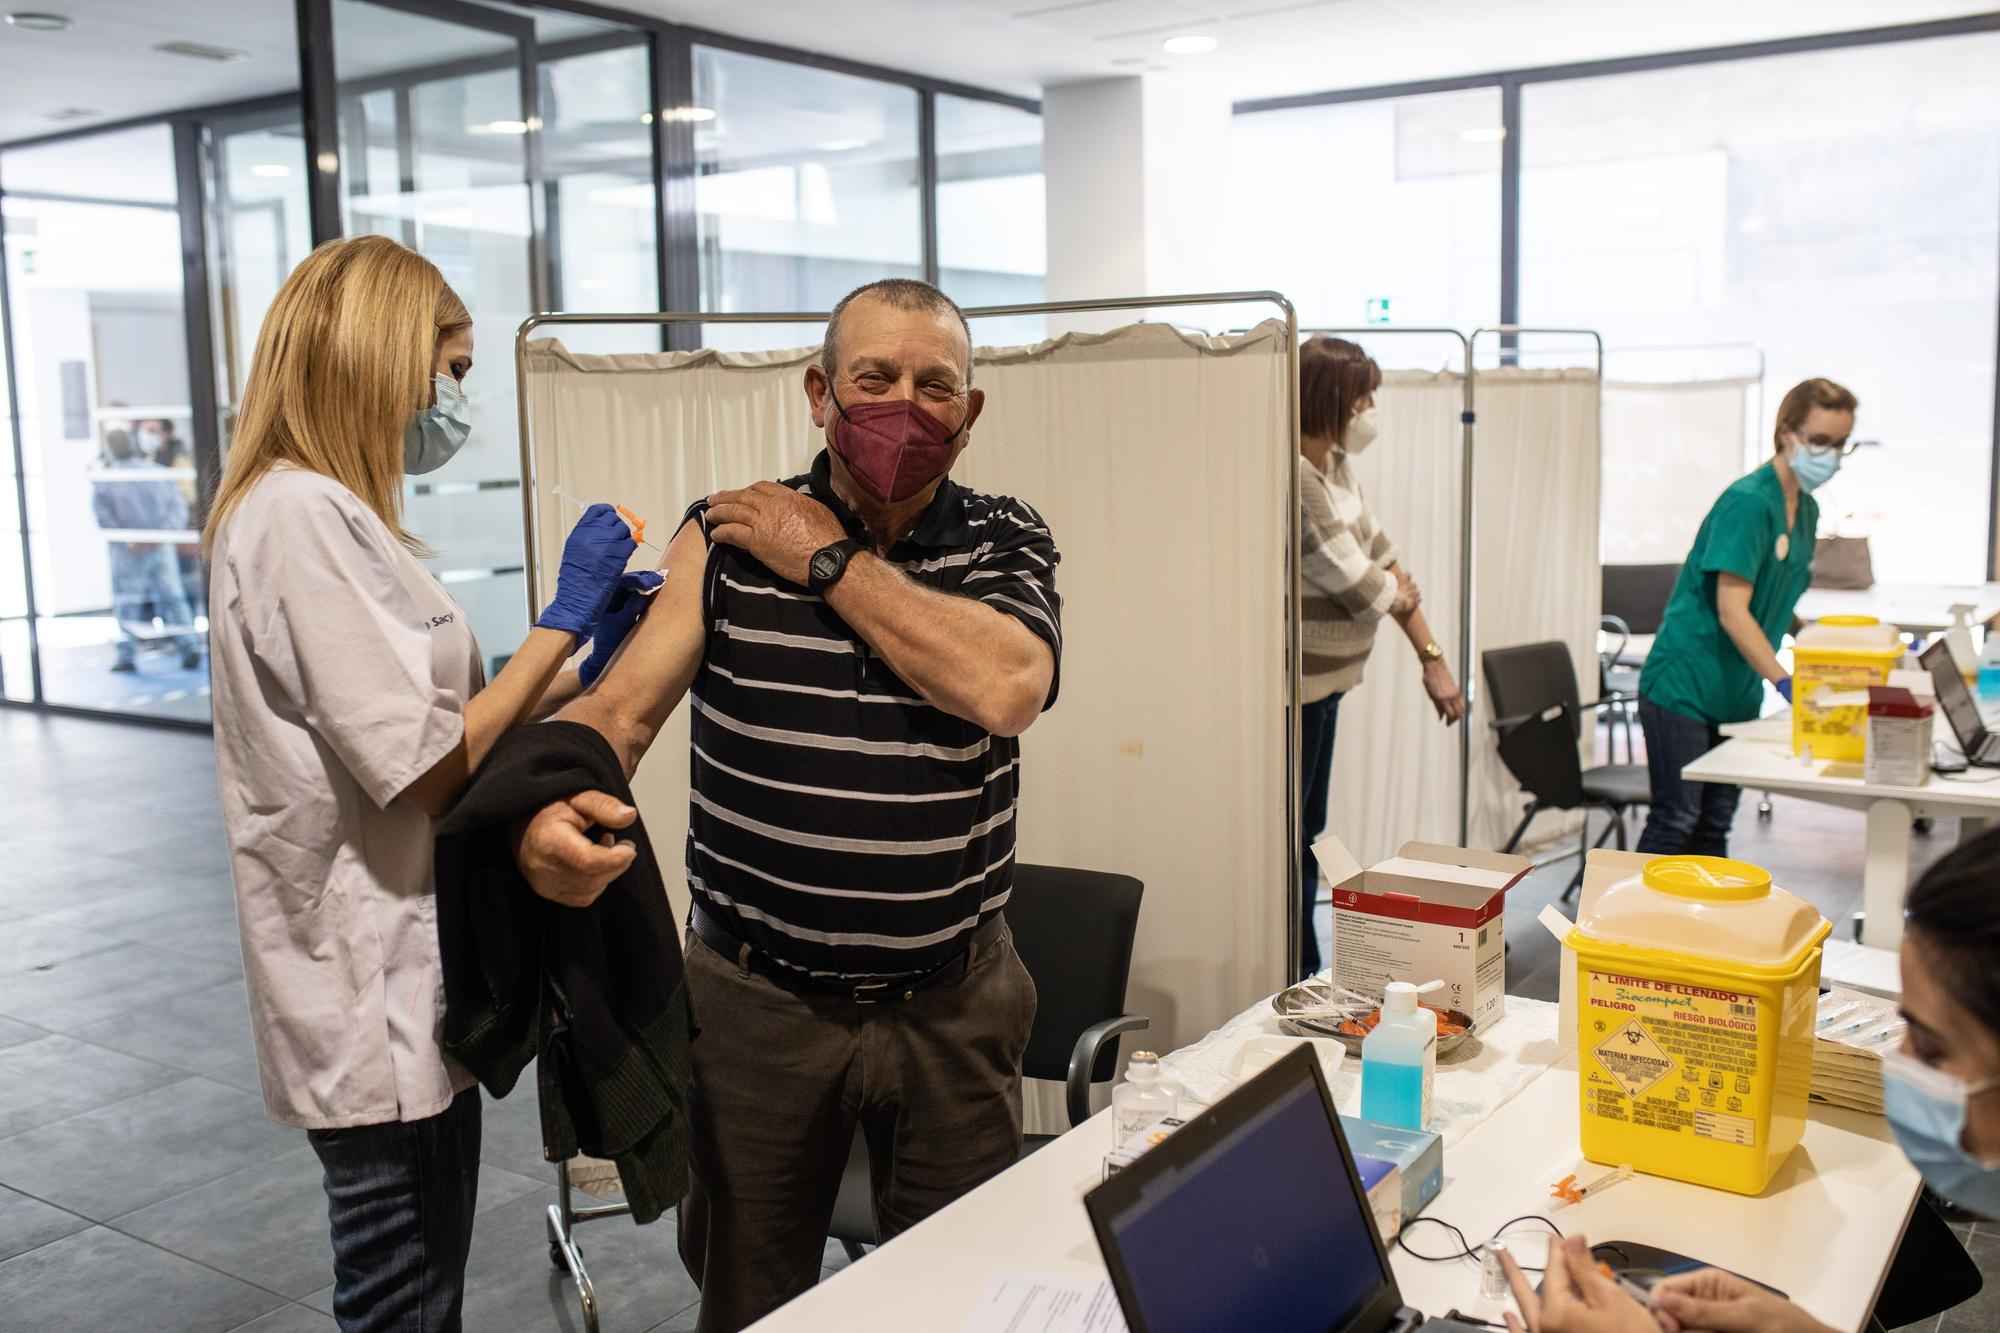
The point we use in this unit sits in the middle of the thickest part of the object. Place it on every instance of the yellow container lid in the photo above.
(1707, 908)
(1851, 634)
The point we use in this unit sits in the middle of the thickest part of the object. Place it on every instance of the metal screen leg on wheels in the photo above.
(562, 1220)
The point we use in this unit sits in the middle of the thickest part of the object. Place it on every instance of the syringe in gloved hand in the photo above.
(632, 520)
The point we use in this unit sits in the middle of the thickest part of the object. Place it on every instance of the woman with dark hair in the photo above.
(1731, 606)
(1941, 1090)
(1352, 578)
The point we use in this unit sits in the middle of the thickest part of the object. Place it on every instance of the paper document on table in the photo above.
(1020, 1301)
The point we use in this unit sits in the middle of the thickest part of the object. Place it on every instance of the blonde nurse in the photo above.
(350, 709)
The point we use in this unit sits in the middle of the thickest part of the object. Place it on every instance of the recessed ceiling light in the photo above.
(272, 170)
(221, 55)
(688, 114)
(1484, 134)
(1190, 44)
(502, 127)
(35, 22)
(842, 145)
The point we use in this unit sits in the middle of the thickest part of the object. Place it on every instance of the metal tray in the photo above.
(1316, 1007)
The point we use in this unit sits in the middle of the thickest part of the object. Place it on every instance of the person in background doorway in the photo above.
(351, 709)
(129, 495)
(1731, 606)
(1352, 579)
(159, 441)
(1942, 1094)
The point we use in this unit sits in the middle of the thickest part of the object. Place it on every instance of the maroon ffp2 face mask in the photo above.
(892, 447)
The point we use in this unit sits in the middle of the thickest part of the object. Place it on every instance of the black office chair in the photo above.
(1634, 603)
(1074, 931)
(1532, 690)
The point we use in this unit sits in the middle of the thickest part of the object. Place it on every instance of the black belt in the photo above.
(723, 941)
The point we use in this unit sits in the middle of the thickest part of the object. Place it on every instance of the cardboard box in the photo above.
(1428, 913)
(1899, 737)
(1383, 1182)
(1417, 1153)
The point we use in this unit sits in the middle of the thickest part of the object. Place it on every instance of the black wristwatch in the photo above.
(828, 564)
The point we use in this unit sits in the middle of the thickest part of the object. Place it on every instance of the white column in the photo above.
(1136, 168)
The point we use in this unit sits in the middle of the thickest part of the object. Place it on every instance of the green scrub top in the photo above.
(1694, 669)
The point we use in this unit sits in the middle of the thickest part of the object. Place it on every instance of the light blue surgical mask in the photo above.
(436, 433)
(1926, 1109)
(1813, 470)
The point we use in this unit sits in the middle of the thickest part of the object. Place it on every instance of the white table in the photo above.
(1824, 1231)
(1921, 608)
(1759, 754)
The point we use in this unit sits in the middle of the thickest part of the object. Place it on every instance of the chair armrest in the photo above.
(1084, 1058)
(1551, 713)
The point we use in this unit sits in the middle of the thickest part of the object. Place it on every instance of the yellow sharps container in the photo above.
(1696, 987)
(1841, 653)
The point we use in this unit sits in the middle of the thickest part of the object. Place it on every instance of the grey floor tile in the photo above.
(684, 1322)
(1981, 1314)
(26, 1223)
(209, 941)
(239, 1074)
(56, 1077)
(98, 1279)
(83, 877)
(510, 1282)
(265, 1224)
(107, 1162)
(290, 1319)
(196, 1032)
(511, 1131)
(13, 1033)
(101, 985)
(836, 1258)
(321, 1300)
(39, 943)
(170, 906)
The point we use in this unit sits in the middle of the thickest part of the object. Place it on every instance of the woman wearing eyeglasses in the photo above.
(1731, 606)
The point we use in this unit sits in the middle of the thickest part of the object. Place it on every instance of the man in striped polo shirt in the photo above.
(860, 645)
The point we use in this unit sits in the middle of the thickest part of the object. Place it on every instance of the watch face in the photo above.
(825, 565)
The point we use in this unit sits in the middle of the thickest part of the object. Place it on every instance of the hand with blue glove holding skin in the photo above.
(628, 602)
(593, 560)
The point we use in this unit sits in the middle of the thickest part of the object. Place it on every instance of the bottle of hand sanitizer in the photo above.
(1399, 1059)
(1143, 1099)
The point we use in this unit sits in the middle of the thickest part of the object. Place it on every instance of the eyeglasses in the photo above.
(1821, 445)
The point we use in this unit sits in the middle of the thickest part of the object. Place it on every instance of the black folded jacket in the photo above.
(596, 993)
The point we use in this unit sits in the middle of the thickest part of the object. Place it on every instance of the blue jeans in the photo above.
(1316, 724)
(400, 1197)
(1686, 817)
(143, 574)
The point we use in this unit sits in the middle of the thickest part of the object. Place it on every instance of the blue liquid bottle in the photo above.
(1399, 1059)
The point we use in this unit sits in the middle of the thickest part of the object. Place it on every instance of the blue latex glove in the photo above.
(628, 602)
(1784, 688)
(592, 560)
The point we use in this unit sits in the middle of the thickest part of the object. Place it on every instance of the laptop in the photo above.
(1251, 1216)
(1980, 745)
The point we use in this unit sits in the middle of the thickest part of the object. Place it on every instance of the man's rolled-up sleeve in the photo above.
(1015, 574)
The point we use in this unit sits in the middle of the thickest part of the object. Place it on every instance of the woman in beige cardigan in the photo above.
(1351, 579)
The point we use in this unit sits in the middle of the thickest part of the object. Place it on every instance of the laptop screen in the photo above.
(1954, 698)
(1264, 1230)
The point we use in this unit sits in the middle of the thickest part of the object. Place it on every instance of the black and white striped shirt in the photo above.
(837, 821)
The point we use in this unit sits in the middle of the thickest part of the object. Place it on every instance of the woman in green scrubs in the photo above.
(1731, 606)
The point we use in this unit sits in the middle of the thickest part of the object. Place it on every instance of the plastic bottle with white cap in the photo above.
(1399, 1059)
(1143, 1099)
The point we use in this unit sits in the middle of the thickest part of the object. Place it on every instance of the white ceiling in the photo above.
(1272, 47)
(106, 62)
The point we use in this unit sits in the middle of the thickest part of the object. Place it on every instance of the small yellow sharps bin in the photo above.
(1842, 653)
(1696, 987)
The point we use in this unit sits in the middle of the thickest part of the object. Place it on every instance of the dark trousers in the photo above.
(1316, 726)
(1686, 817)
(400, 1197)
(783, 1076)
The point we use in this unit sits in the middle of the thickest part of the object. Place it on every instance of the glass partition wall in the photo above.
(546, 158)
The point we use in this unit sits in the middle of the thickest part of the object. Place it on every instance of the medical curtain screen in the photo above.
(1395, 765)
(1161, 462)
(1669, 449)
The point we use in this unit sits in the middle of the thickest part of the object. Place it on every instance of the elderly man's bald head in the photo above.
(897, 294)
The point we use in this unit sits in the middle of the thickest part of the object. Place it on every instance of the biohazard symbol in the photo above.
(1631, 1056)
